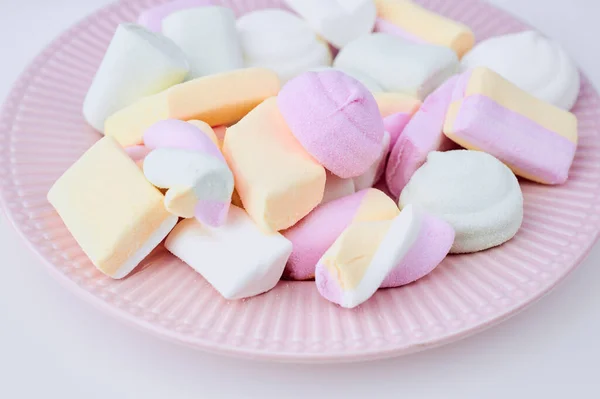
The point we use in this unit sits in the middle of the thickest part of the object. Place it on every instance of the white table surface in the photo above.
(54, 345)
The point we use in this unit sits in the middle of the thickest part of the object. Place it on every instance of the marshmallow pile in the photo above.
(256, 153)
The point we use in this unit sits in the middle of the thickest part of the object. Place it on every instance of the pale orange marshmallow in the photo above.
(277, 181)
(220, 99)
(112, 211)
(393, 103)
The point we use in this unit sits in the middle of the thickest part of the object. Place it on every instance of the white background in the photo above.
(53, 345)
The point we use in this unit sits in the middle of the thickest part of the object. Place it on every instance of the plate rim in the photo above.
(15, 94)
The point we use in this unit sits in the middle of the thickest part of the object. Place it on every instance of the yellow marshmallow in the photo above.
(277, 181)
(219, 99)
(112, 211)
(393, 103)
(355, 249)
(426, 25)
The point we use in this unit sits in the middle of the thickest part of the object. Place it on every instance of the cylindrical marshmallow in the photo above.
(220, 99)
(277, 180)
(399, 66)
(316, 232)
(416, 24)
(187, 161)
(338, 21)
(208, 37)
(335, 118)
(112, 211)
(362, 257)
(137, 63)
(237, 259)
(536, 139)
(422, 135)
(281, 41)
(153, 17)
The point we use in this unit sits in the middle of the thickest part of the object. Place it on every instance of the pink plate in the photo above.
(43, 132)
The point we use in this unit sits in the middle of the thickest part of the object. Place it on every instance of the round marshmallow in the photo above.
(531, 61)
(137, 63)
(338, 21)
(208, 37)
(474, 192)
(336, 119)
(281, 41)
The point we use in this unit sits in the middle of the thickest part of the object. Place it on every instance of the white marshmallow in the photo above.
(533, 62)
(474, 192)
(281, 41)
(237, 259)
(208, 37)
(374, 173)
(366, 80)
(209, 177)
(137, 63)
(338, 21)
(336, 187)
(399, 66)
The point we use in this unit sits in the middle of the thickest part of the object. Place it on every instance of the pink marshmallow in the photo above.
(395, 124)
(153, 17)
(422, 135)
(220, 132)
(173, 133)
(378, 254)
(335, 118)
(431, 247)
(137, 152)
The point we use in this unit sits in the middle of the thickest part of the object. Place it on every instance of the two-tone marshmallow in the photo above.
(338, 21)
(220, 99)
(537, 140)
(152, 18)
(208, 37)
(335, 118)
(125, 76)
(372, 254)
(187, 162)
(237, 259)
(421, 135)
(399, 66)
(313, 235)
(277, 180)
(536, 64)
(282, 42)
(419, 25)
(474, 192)
(116, 216)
